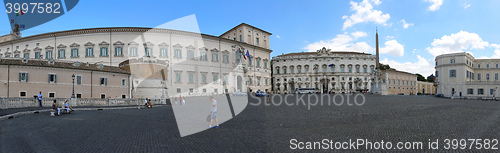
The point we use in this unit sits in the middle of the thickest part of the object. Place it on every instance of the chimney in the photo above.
(377, 56)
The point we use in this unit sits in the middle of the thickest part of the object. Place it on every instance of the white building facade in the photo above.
(461, 75)
(196, 63)
(339, 72)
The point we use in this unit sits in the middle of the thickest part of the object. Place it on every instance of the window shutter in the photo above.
(105, 81)
(48, 79)
(19, 76)
(26, 77)
(55, 78)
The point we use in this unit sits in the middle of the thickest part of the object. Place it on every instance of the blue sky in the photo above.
(433, 27)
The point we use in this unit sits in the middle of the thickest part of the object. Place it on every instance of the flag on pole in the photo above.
(242, 53)
(248, 55)
(330, 65)
(315, 66)
(11, 21)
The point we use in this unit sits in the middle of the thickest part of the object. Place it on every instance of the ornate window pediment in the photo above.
(89, 44)
(225, 52)
(49, 47)
(26, 50)
(258, 58)
(104, 43)
(61, 46)
(37, 49)
(204, 48)
(148, 44)
(17, 51)
(118, 43)
(133, 43)
(190, 47)
(215, 50)
(177, 46)
(265, 59)
(163, 44)
(74, 45)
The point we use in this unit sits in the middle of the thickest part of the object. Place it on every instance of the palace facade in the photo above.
(165, 62)
(325, 70)
(461, 75)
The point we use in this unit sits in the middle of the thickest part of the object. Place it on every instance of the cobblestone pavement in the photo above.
(258, 128)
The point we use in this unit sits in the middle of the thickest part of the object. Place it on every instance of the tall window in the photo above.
(148, 51)
(52, 78)
(163, 52)
(324, 69)
(249, 62)
(178, 53)
(190, 54)
(60, 53)
(37, 55)
(226, 78)
(487, 76)
(350, 69)
(133, 51)
(118, 51)
(104, 51)
(225, 58)
(479, 76)
(480, 91)
(299, 69)
(74, 52)
(215, 77)
(333, 68)
(265, 65)
(265, 81)
(364, 70)
(470, 91)
(191, 78)
(78, 79)
(215, 57)
(48, 54)
(342, 69)
(258, 63)
(284, 70)
(496, 76)
(26, 55)
(357, 69)
(104, 81)
(178, 77)
(23, 76)
(89, 52)
(291, 70)
(452, 60)
(257, 41)
(372, 69)
(203, 56)
(258, 81)
(204, 78)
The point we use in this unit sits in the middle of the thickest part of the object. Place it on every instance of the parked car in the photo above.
(260, 93)
(237, 93)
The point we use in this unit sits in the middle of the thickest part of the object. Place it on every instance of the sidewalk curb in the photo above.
(10, 116)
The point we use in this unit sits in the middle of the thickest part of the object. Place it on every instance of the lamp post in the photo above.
(73, 93)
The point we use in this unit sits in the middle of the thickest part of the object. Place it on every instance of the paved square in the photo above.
(257, 128)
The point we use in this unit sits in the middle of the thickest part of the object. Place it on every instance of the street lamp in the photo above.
(73, 94)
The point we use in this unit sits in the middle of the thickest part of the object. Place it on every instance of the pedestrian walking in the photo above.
(213, 113)
(40, 98)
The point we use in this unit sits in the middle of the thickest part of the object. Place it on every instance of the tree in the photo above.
(420, 77)
(384, 67)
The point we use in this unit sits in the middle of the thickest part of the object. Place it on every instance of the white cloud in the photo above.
(365, 13)
(278, 36)
(359, 34)
(392, 47)
(466, 6)
(456, 42)
(342, 42)
(435, 4)
(496, 53)
(422, 66)
(389, 37)
(406, 25)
